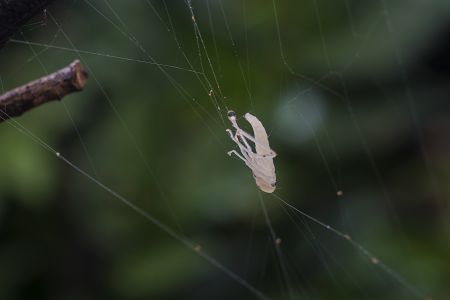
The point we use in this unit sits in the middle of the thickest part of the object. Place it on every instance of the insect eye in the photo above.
(231, 114)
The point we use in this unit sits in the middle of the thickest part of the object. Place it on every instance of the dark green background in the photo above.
(376, 126)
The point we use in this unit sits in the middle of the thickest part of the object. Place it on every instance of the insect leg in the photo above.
(240, 134)
(247, 135)
(246, 152)
(244, 135)
(237, 154)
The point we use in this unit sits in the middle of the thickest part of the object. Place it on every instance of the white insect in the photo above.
(261, 162)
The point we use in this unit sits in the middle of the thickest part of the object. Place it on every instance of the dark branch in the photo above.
(15, 13)
(52, 87)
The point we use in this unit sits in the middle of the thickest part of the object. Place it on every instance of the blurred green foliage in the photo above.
(354, 95)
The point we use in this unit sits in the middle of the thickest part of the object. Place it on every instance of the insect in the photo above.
(259, 161)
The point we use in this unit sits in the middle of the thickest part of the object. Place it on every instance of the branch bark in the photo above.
(15, 13)
(48, 88)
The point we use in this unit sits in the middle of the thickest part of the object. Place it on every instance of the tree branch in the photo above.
(15, 13)
(51, 87)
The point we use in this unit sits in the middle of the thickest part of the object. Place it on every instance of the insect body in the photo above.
(259, 161)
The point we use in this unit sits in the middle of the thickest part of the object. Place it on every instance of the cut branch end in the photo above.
(48, 88)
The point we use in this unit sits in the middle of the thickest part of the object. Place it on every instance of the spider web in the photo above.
(333, 90)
